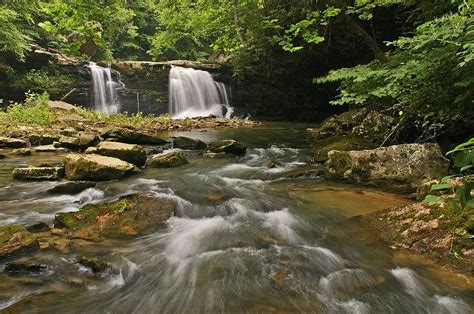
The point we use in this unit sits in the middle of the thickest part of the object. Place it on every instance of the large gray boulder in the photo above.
(96, 168)
(131, 153)
(399, 167)
(133, 136)
(38, 173)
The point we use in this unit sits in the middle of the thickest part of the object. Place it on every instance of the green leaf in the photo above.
(431, 198)
(466, 168)
(454, 205)
(470, 203)
(441, 186)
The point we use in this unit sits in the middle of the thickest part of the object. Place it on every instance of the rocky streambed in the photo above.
(230, 219)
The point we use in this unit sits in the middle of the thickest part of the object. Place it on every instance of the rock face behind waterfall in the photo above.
(96, 168)
(131, 215)
(400, 167)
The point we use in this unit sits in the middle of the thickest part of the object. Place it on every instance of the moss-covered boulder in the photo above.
(230, 147)
(168, 160)
(188, 143)
(38, 173)
(131, 215)
(133, 136)
(12, 142)
(321, 148)
(16, 239)
(399, 167)
(370, 125)
(131, 153)
(71, 187)
(84, 167)
(81, 141)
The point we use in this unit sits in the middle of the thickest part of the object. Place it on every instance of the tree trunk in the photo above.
(366, 38)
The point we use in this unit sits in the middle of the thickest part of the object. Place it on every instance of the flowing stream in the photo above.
(245, 238)
(106, 83)
(194, 93)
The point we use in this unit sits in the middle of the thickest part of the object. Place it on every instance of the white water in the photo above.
(194, 93)
(106, 98)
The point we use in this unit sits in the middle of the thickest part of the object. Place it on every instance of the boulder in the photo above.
(321, 148)
(38, 173)
(79, 142)
(133, 136)
(16, 239)
(188, 143)
(12, 142)
(71, 187)
(168, 160)
(131, 215)
(24, 267)
(230, 147)
(97, 168)
(375, 127)
(96, 265)
(21, 152)
(131, 153)
(400, 167)
(61, 105)
(45, 139)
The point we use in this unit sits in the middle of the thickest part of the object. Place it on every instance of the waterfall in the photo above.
(194, 93)
(106, 98)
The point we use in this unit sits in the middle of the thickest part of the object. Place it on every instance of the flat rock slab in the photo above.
(12, 142)
(131, 153)
(133, 136)
(38, 173)
(92, 167)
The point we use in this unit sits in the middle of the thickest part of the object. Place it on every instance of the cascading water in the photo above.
(106, 96)
(194, 93)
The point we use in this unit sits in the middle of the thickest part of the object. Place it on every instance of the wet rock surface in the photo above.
(321, 148)
(91, 167)
(131, 153)
(188, 143)
(16, 239)
(12, 142)
(72, 187)
(230, 147)
(79, 142)
(131, 215)
(24, 267)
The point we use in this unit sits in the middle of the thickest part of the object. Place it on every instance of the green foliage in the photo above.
(34, 111)
(463, 156)
(12, 38)
(430, 77)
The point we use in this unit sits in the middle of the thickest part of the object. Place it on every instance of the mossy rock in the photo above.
(12, 142)
(79, 142)
(45, 139)
(321, 148)
(188, 143)
(15, 239)
(231, 147)
(21, 152)
(169, 160)
(131, 215)
(131, 153)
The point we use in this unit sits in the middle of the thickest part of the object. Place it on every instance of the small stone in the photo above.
(231, 147)
(96, 265)
(169, 160)
(72, 187)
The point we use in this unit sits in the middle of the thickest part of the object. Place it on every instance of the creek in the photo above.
(245, 238)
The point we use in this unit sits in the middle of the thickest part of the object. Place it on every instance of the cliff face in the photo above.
(146, 83)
